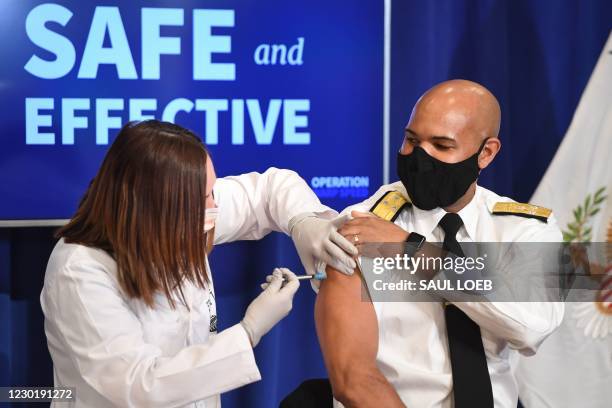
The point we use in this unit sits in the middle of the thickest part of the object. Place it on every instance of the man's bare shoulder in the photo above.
(344, 294)
(339, 281)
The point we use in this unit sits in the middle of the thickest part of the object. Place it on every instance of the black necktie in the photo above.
(471, 381)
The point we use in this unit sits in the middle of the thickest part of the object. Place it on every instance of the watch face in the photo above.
(417, 239)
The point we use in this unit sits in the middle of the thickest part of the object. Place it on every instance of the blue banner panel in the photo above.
(287, 84)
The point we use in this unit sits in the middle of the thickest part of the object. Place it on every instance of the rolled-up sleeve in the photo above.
(254, 204)
(525, 325)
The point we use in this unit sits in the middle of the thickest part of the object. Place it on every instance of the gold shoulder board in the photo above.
(390, 205)
(521, 210)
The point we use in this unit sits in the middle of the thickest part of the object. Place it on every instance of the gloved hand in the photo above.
(271, 306)
(317, 239)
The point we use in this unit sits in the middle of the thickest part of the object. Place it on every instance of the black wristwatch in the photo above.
(415, 242)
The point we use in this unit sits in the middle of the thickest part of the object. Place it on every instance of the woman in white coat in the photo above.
(128, 297)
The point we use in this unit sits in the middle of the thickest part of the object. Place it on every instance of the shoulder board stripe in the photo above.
(390, 205)
(521, 210)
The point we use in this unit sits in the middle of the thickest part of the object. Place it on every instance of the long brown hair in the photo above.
(146, 208)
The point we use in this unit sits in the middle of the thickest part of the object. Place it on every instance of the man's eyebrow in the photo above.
(444, 138)
(435, 138)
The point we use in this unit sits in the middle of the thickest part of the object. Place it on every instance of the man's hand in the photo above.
(317, 239)
(366, 227)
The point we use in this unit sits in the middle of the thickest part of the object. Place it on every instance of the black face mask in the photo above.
(433, 183)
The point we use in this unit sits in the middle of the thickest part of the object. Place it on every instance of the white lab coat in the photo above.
(118, 352)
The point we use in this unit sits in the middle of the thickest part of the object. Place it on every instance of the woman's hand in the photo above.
(317, 239)
(271, 306)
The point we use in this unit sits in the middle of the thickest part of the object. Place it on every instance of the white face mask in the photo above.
(210, 218)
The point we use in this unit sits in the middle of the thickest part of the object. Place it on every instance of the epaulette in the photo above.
(521, 210)
(390, 205)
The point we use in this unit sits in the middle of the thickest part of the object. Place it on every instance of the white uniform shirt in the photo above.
(413, 345)
(118, 352)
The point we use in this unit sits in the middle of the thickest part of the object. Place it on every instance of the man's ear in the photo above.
(488, 153)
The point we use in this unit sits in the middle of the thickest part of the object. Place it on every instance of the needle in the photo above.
(316, 276)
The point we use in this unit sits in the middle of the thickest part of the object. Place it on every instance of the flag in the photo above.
(573, 367)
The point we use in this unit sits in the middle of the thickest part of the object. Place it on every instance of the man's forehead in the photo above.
(450, 125)
(456, 108)
(456, 122)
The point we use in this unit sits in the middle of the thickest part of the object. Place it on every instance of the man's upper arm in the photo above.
(346, 326)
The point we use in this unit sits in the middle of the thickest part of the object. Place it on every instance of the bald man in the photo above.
(435, 354)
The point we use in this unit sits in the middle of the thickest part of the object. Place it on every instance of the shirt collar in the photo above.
(425, 221)
(469, 215)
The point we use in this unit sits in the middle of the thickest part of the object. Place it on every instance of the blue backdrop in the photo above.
(264, 83)
(535, 56)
